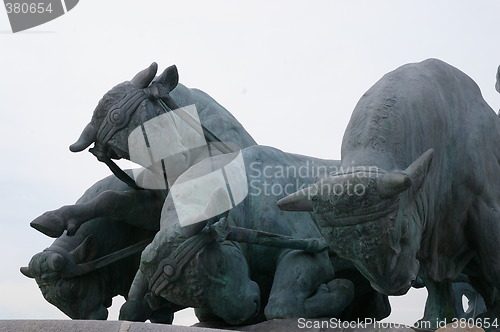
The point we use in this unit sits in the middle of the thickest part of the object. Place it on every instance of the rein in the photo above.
(113, 257)
(101, 155)
(76, 270)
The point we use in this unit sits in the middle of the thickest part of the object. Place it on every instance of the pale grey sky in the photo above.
(290, 71)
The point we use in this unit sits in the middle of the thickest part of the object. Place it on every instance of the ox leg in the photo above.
(136, 309)
(440, 304)
(475, 301)
(444, 302)
(486, 232)
(140, 208)
(303, 286)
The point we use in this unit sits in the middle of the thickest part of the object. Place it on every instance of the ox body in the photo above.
(245, 283)
(422, 149)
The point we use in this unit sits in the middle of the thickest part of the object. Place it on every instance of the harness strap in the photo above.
(171, 268)
(119, 116)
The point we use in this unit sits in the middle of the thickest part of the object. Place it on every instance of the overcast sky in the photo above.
(290, 71)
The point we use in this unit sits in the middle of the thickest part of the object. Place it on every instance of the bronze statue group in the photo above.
(191, 227)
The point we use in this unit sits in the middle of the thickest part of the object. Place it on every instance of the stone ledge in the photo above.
(276, 325)
(92, 326)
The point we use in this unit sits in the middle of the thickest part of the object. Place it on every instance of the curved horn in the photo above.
(299, 200)
(391, 184)
(497, 85)
(87, 137)
(26, 271)
(55, 262)
(144, 77)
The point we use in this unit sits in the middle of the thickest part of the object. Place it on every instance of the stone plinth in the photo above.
(91, 326)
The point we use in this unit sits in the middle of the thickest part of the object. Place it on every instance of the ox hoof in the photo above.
(331, 299)
(49, 224)
(135, 311)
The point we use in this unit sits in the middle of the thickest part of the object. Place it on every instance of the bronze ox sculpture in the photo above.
(422, 151)
(77, 272)
(114, 201)
(288, 279)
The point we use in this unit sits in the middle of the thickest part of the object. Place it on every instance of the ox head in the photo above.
(369, 217)
(124, 108)
(216, 278)
(78, 296)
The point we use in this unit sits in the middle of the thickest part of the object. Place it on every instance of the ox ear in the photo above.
(142, 79)
(169, 78)
(418, 170)
(86, 251)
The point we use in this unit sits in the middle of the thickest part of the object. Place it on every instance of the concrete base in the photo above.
(276, 325)
(92, 326)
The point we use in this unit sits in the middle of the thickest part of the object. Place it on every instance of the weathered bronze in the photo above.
(413, 202)
(280, 269)
(425, 197)
(132, 214)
